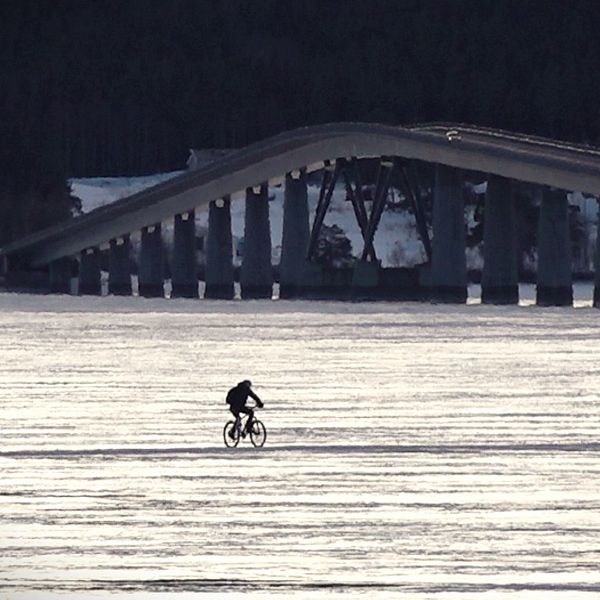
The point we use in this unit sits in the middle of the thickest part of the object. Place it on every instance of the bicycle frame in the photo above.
(242, 419)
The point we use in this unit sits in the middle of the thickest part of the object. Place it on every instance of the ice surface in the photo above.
(415, 451)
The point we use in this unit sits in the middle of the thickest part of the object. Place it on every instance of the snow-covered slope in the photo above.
(98, 191)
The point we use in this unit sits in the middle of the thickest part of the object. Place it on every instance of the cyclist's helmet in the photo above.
(246, 383)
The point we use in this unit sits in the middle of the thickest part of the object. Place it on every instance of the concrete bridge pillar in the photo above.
(256, 276)
(184, 276)
(554, 283)
(150, 271)
(59, 272)
(219, 251)
(448, 261)
(296, 233)
(597, 268)
(89, 273)
(119, 271)
(500, 278)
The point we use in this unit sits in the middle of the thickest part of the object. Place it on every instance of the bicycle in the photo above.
(258, 432)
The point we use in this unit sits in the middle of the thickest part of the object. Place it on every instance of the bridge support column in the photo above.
(184, 275)
(597, 269)
(219, 251)
(150, 271)
(296, 233)
(89, 273)
(119, 269)
(554, 283)
(448, 264)
(59, 272)
(500, 279)
(256, 276)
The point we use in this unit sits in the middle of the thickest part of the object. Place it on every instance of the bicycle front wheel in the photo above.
(231, 434)
(258, 434)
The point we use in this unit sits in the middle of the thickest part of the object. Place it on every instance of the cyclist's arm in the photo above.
(259, 402)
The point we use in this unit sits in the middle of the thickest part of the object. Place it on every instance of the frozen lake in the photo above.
(415, 451)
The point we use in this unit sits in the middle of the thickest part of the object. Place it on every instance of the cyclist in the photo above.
(236, 398)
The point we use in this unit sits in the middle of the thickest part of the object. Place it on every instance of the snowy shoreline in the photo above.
(21, 302)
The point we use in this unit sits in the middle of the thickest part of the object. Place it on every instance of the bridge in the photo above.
(335, 150)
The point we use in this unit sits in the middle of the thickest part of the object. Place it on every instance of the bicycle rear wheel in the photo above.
(258, 434)
(231, 434)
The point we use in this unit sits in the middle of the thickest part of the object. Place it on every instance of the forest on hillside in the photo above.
(126, 87)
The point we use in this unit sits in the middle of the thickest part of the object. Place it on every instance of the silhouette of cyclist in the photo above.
(236, 398)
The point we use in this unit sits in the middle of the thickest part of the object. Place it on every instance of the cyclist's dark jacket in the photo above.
(237, 396)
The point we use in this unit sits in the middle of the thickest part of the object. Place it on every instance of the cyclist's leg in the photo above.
(247, 411)
(236, 414)
(249, 421)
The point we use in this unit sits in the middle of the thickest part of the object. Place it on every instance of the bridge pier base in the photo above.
(597, 271)
(295, 236)
(150, 271)
(554, 282)
(184, 276)
(59, 272)
(448, 261)
(219, 251)
(500, 279)
(256, 277)
(119, 271)
(365, 280)
(89, 273)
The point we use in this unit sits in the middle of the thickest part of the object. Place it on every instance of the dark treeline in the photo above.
(112, 87)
